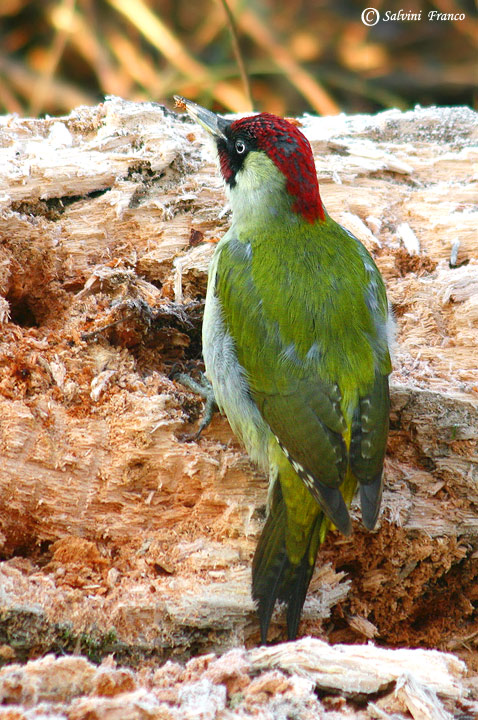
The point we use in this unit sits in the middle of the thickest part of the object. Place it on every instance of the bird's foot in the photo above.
(203, 388)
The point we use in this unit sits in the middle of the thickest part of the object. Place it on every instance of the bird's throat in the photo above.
(260, 195)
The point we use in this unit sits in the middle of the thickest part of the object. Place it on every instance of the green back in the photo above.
(309, 319)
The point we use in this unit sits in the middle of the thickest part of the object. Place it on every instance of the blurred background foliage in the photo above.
(300, 55)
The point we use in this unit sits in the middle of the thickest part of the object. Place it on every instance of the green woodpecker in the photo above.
(295, 343)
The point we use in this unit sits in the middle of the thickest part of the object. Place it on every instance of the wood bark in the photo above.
(119, 536)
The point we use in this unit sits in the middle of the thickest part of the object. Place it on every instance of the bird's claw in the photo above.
(204, 389)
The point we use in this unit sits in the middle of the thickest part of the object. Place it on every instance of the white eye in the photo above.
(240, 147)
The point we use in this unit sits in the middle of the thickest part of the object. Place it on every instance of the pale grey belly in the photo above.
(229, 382)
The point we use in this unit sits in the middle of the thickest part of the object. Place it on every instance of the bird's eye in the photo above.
(240, 147)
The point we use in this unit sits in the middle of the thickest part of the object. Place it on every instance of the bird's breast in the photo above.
(229, 381)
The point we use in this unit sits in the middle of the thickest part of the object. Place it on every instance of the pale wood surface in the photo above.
(306, 680)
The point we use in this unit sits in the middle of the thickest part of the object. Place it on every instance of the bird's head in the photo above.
(266, 163)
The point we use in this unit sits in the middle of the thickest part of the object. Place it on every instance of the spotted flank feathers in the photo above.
(329, 498)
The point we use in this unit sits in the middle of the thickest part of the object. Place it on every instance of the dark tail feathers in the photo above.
(274, 577)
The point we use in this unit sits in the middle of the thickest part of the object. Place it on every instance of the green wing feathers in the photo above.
(367, 447)
(301, 423)
(316, 362)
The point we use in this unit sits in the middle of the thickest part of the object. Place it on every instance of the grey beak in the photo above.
(214, 124)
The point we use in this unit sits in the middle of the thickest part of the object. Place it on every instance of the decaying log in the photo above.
(119, 536)
(306, 680)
